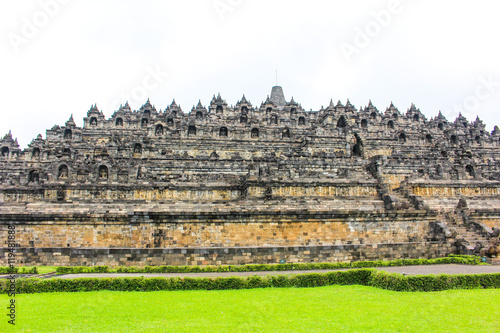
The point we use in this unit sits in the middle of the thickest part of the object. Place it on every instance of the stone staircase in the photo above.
(469, 239)
(400, 198)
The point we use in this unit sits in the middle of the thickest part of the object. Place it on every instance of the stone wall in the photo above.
(200, 192)
(490, 217)
(227, 255)
(457, 190)
(162, 237)
(164, 230)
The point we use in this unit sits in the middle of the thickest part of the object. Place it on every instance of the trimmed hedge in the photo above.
(452, 259)
(366, 277)
(398, 282)
(36, 285)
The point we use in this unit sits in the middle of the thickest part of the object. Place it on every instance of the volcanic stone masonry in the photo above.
(244, 184)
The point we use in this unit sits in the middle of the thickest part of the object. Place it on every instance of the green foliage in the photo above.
(398, 282)
(18, 270)
(83, 269)
(452, 259)
(278, 310)
(8, 270)
(36, 285)
(367, 277)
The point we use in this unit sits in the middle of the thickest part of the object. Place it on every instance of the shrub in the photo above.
(456, 259)
(398, 282)
(36, 285)
(367, 277)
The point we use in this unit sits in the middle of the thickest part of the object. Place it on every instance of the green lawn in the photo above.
(41, 269)
(323, 309)
(46, 269)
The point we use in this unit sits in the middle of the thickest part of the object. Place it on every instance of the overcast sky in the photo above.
(60, 57)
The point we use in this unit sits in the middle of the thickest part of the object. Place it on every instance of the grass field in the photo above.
(323, 309)
(46, 269)
(41, 269)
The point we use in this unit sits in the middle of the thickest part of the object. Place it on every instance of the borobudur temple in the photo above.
(246, 184)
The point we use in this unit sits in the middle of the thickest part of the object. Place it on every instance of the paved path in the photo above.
(408, 270)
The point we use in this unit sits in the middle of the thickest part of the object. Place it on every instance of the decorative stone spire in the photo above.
(478, 123)
(147, 106)
(391, 110)
(125, 108)
(70, 122)
(440, 116)
(349, 106)
(37, 142)
(93, 110)
(217, 100)
(370, 107)
(199, 107)
(8, 137)
(217, 105)
(269, 101)
(461, 120)
(174, 106)
(244, 102)
(278, 97)
(496, 130)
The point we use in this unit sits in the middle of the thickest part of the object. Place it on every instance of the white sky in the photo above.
(436, 54)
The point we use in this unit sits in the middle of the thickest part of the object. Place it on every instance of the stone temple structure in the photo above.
(238, 184)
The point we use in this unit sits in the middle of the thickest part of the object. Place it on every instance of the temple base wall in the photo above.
(261, 229)
(226, 256)
(208, 238)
